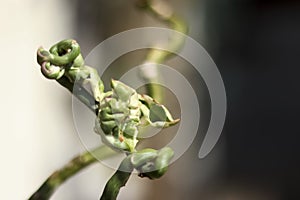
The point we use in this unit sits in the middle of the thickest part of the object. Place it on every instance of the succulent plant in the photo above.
(123, 111)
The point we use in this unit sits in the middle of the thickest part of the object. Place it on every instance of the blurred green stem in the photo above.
(74, 166)
(160, 10)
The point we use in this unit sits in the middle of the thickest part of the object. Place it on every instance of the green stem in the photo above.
(81, 93)
(160, 56)
(74, 166)
(118, 180)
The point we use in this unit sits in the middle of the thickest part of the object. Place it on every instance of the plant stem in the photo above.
(164, 13)
(118, 180)
(74, 166)
(81, 93)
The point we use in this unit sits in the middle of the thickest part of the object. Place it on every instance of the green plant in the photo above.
(119, 113)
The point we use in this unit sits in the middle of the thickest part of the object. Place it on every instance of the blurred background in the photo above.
(255, 46)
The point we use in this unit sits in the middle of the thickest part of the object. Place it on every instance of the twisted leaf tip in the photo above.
(64, 60)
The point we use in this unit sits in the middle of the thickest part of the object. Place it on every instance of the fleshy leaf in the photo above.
(122, 112)
(154, 168)
(156, 114)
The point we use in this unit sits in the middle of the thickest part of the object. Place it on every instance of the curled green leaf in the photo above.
(159, 166)
(155, 114)
(152, 163)
(138, 159)
(65, 60)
